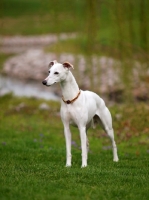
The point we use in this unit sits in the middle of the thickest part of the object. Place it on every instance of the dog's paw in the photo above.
(115, 159)
(83, 166)
(68, 165)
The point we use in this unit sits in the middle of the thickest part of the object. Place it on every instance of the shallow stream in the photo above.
(26, 89)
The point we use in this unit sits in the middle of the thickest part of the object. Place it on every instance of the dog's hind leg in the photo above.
(87, 140)
(106, 119)
(87, 143)
(110, 133)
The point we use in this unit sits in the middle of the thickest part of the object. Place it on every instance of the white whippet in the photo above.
(79, 108)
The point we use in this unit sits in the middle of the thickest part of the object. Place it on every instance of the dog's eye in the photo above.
(49, 72)
(56, 73)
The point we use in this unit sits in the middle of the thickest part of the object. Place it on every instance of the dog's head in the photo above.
(57, 72)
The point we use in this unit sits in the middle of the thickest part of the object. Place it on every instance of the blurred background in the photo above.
(107, 41)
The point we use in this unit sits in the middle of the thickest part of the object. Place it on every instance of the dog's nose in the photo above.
(44, 82)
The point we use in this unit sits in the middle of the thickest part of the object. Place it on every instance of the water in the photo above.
(26, 89)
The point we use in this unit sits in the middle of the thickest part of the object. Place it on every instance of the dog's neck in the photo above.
(69, 87)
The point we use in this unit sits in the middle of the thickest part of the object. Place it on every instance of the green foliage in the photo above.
(32, 156)
(122, 24)
(3, 58)
(15, 8)
(40, 17)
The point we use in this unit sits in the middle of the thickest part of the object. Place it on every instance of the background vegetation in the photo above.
(122, 24)
(117, 29)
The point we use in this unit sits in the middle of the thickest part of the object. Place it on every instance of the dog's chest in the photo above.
(72, 114)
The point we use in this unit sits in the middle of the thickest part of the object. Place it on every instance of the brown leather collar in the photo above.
(71, 101)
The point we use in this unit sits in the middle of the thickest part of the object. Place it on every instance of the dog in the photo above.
(79, 108)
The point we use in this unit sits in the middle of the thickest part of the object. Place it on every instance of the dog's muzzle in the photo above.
(44, 82)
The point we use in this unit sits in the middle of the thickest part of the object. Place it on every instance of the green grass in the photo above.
(32, 155)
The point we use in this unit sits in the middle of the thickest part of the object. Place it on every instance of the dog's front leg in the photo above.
(83, 138)
(68, 144)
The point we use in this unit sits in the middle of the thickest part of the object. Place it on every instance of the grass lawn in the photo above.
(32, 159)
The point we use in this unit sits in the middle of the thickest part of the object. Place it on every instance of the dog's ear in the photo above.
(52, 63)
(68, 65)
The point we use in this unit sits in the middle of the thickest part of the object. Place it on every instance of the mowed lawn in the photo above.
(32, 158)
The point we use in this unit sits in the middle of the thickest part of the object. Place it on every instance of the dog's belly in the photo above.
(72, 123)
